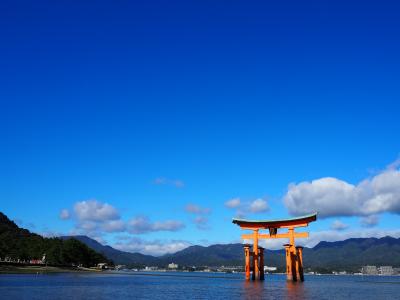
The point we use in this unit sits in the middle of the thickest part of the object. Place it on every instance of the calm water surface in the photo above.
(193, 286)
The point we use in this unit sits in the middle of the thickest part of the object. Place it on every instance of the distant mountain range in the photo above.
(117, 256)
(349, 255)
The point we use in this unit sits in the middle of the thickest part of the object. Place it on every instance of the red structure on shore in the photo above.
(254, 258)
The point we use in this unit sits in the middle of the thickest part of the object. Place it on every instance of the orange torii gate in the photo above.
(294, 255)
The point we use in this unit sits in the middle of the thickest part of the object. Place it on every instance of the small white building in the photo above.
(369, 270)
(386, 270)
(173, 266)
(102, 266)
(269, 269)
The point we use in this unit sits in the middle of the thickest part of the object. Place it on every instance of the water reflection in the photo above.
(272, 289)
(254, 289)
(295, 290)
(197, 286)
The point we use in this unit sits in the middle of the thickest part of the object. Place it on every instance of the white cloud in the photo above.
(93, 210)
(339, 225)
(170, 225)
(394, 165)
(139, 225)
(155, 247)
(334, 197)
(196, 209)
(370, 221)
(201, 223)
(233, 203)
(200, 220)
(259, 205)
(165, 181)
(64, 214)
(93, 218)
(87, 226)
(113, 226)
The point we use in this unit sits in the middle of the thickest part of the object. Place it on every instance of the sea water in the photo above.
(175, 285)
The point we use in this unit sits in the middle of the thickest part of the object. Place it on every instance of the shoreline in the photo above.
(12, 269)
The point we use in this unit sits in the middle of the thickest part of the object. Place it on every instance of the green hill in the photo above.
(18, 243)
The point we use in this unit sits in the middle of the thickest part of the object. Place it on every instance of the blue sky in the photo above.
(140, 121)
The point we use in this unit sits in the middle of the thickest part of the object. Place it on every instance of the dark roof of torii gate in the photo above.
(276, 223)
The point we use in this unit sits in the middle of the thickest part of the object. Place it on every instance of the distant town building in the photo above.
(339, 272)
(120, 267)
(102, 266)
(386, 270)
(173, 266)
(269, 269)
(369, 270)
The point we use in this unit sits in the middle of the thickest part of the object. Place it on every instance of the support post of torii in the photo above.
(254, 260)
(247, 261)
(299, 263)
(261, 262)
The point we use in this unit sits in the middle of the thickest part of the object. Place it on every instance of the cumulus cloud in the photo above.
(165, 181)
(113, 226)
(334, 197)
(394, 165)
(155, 247)
(64, 214)
(97, 229)
(258, 205)
(339, 225)
(141, 224)
(93, 210)
(201, 221)
(87, 226)
(93, 218)
(233, 203)
(196, 209)
(243, 208)
(370, 221)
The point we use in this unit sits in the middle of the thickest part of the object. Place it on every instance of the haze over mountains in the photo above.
(349, 254)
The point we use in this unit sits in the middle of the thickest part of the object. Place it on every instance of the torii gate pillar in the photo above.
(247, 260)
(261, 262)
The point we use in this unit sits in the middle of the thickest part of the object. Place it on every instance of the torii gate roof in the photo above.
(298, 221)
